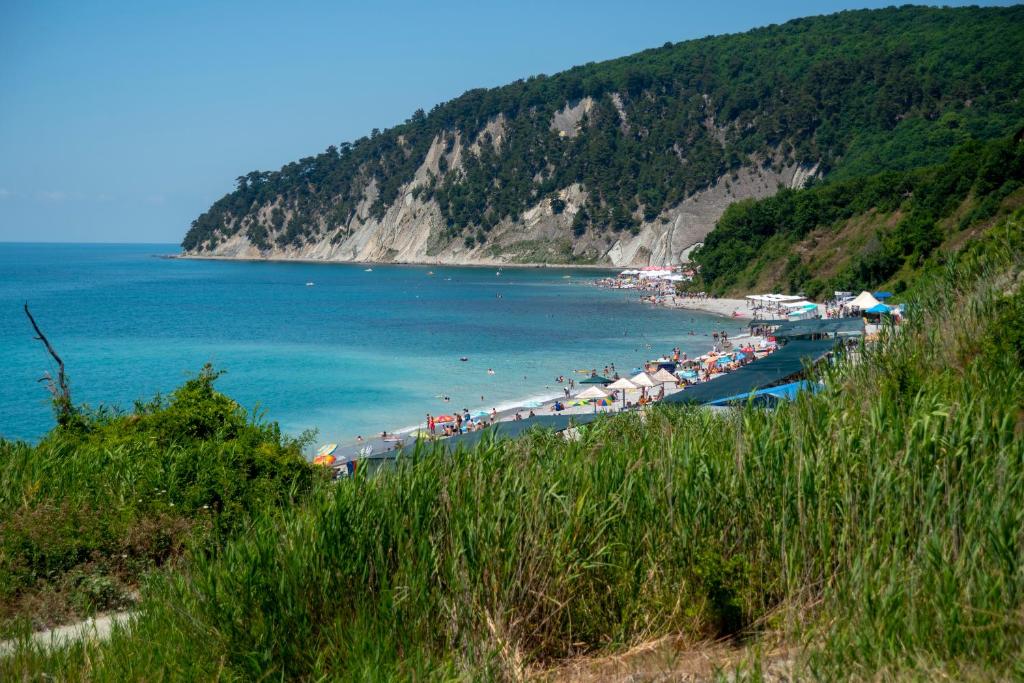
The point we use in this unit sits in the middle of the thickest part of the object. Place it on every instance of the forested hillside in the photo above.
(595, 156)
(866, 232)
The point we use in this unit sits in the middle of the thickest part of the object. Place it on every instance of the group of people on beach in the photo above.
(721, 359)
(460, 423)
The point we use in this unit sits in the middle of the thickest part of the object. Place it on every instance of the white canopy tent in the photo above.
(864, 301)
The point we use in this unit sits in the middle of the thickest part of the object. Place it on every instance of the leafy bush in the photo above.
(115, 495)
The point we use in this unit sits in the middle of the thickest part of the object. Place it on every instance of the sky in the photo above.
(123, 121)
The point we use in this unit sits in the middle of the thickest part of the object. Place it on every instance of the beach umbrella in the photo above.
(623, 384)
(327, 449)
(663, 375)
(325, 460)
(444, 418)
(642, 379)
(593, 392)
(595, 379)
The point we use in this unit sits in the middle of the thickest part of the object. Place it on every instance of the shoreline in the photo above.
(542, 400)
(438, 264)
(505, 412)
(733, 309)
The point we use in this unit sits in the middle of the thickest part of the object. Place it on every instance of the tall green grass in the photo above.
(877, 524)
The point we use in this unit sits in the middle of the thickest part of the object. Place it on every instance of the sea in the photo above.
(344, 349)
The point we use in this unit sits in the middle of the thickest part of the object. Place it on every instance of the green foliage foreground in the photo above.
(877, 524)
(96, 504)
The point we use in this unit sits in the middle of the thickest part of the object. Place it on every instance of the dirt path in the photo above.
(672, 660)
(97, 628)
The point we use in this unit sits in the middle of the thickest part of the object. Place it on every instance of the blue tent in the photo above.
(882, 295)
(880, 308)
(784, 392)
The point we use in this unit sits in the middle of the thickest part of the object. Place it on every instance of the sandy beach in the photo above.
(405, 436)
(729, 308)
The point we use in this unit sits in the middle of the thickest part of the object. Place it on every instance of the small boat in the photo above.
(368, 270)
(430, 272)
(310, 284)
(464, 359)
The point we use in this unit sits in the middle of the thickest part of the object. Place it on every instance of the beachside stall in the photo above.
(801, 310)
(778, 305)
(820, 328)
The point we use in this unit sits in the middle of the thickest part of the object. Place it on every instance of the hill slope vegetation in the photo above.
(863, 233)
(632, 160)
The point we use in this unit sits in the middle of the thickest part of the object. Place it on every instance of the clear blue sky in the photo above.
(122, 121)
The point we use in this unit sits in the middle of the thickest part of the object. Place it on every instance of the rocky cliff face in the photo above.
(411, 228)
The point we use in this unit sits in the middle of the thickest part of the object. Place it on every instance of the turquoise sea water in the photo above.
(356, 353)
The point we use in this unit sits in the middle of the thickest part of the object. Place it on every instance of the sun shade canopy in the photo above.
(864, 301)
(593, 392)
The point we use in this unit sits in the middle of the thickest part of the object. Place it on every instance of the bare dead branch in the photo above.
(59, 389)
